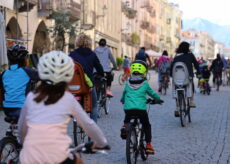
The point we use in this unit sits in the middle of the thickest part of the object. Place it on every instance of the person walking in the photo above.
(89, 61)
(105, 57)
(217, 68)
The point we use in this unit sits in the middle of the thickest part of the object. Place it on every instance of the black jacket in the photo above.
(88, 59)
(217, 66)
(189, 60)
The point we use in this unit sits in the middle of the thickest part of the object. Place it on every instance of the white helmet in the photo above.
(56, 67)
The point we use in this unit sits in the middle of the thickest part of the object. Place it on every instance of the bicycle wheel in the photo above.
(107, 105)
(188, 111)
(78, 134)
(9, 150)
(182, 108)
(121, 82)
(148, 76)
(131, 146)
(144, 155)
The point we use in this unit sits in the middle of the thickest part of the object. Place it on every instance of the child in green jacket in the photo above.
(134, 100)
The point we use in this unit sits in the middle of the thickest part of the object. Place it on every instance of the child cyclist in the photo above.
(16, 82)
(204, 77)
(134, 100)
(45, 116)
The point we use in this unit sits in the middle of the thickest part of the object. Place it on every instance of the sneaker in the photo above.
(109, 93)
(123, 132)
(149, 149)
(176, 113)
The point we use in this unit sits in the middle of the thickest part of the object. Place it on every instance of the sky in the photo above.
(216, 11)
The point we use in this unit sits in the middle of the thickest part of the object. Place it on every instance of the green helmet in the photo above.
(139, 67)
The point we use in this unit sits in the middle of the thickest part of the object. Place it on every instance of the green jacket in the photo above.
(135, 96)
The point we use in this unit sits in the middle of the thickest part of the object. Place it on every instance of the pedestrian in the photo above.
(105, 57)
(217, 68)
(89, 61)
(126, 68)
(184, 55)
(46, 114)
(142, 55)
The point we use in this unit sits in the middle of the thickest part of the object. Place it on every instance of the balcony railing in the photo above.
(145, 4)
(21, 5)
(46, 8)
(144, 24)
(129, 12)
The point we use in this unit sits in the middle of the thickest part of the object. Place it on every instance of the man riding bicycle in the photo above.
(142, 55)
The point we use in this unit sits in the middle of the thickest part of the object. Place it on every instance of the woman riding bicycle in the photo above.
(45, 116)
(134, 100)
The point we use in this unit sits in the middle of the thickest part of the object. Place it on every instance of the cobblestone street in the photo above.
(205, 141)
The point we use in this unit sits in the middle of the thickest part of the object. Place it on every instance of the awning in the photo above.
(7, 3)
(153, 53)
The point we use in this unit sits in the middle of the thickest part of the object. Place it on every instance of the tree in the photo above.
(62, 27)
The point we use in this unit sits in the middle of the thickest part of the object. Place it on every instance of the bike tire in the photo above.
(107, 105)
(188, 110)
(121, 82)
(75, 133)
(9, 146)
(78, 134)
(148, 76)
(144, 155)
(182, 109)
(131, 146)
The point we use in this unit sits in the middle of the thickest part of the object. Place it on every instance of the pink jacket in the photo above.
(161, 59)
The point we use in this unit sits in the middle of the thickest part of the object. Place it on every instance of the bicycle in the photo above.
(184, 105)
(164, 83)
(102, 98)
(9, 145)
(135, 143)
(205, 87)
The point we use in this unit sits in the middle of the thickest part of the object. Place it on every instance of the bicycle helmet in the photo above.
(55, 67)
(17, 53)
(139, 67)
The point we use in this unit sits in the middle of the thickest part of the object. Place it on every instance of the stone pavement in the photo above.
(205, 141)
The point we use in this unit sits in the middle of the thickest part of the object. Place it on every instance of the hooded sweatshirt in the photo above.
(105, 56)
(134, 95)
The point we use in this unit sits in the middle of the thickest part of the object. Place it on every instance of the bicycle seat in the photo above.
(11, 120)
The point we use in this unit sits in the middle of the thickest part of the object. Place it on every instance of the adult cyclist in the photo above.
(142, 55)
(184, 55)
(16, 82)
(105, 57)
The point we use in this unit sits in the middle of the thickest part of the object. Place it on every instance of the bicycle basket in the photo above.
(180, 74)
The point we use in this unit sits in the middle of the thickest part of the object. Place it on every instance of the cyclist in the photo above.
(16, 82)
(134, 100)
(89, 60)
(105, 57)
(45, 116)
(217, 68)
(163, 65)
(205, 75)
(141, 55)
(126, 68)
(184, 55)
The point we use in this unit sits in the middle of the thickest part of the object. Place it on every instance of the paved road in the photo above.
(205, 141)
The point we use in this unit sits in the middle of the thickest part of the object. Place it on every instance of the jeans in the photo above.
(12, 112)
(94, 113)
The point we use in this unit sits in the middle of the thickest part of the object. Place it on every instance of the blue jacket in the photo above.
(88, 59)
(15, 83)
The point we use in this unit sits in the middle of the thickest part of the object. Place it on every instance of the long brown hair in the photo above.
(50, 93)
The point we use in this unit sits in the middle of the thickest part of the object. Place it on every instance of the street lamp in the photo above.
(105, 9)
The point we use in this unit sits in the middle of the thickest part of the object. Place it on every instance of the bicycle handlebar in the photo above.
(89, 149)
(153, 101)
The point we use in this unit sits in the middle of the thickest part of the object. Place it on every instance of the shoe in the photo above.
(109, 93)
(159, 89)
(192, 104)
(123, 132)
(176, 113)
(149, 149)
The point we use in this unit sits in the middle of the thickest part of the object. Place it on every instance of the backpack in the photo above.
(78, 84)
(180, 74)
(165, 67)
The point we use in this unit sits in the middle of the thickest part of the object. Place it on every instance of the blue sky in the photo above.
(216, 11)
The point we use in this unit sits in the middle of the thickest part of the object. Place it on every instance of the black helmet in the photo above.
(17, 53)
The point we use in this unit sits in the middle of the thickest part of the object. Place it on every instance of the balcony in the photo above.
(144, 24)
(151, 29)
(145, 4)
(21, 5)
(161, 37)
(129, 12)
(131, 39)
(46, 8)
(168, 40)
